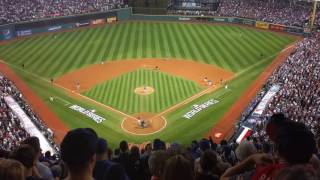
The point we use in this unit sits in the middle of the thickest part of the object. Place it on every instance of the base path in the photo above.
(225, 126)
(37, 104)
(92, 75)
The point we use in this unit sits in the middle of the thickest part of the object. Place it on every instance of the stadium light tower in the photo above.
(314, 13)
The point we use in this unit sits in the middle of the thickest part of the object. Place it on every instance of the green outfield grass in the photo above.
(243, 51)
(119, 92)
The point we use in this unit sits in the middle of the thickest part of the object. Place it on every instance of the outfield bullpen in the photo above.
(233, 53)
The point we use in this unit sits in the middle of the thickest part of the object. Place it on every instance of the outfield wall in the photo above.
(22, 29)
(232, 20)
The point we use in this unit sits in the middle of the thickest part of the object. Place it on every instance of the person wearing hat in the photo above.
(104, 168)
(78, 151)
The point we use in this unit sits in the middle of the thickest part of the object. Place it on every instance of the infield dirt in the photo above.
(92, 75)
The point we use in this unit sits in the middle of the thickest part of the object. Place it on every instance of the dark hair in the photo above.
(47, 154)
(177, 167)
(78, 147)
(33, 142)
(123, 146)
(295, 143)
(11, 170)
(26, 155)
(134, 153)
(102, 146)
(157, 162)
(276, 121)
(209, 161)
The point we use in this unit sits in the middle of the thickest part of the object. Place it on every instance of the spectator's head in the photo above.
(26, 155)
(78, 150)
(34, 143)
(245, 149)
(47, 154)
(134, 153)
(123, 147)
(4, 153)
(158, 145)
(295, 143)
(148, 148)
(157, 161)
(102, 149)
(274, 123)
(204, 144)
(177, 167)
(11, 170)
(209, 163)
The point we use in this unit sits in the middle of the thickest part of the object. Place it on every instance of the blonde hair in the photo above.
(11, 170)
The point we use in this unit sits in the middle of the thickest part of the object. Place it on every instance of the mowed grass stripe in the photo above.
(18, 53)
(59, 57)
(55, 56)
(188, 42)
(79, 50)
(246, 58)
(121, 95)
(116, 46)
(50, 57)
(173, 47)
(113, 42)
(180, 45)
(231, 50)
(206, 43)
(91, 55)
(197, 46)
(28, 54)
(223, 51)
(216, 57)
(74, 61)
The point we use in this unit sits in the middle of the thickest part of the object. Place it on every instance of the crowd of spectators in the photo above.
(299, 95)
(277, 12)
(289, 148)
(12, 130)
(12, 11)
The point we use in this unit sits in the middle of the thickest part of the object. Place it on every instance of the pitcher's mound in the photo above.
(144, 124)
(144, 90)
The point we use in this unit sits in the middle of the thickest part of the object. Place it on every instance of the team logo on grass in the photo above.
(198, 108)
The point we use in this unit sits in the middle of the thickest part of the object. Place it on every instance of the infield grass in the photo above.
(119, 92)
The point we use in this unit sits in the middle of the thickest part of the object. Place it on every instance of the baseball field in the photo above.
(129, 71)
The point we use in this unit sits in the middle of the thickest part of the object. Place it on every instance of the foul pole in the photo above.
(314, 13)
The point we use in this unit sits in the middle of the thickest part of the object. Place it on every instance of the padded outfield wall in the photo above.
(22, 29)
(11, 31)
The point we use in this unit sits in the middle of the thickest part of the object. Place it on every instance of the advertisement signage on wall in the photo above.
(262, 25)
(27, 32)
(6, 34)
(82, 24)
(248, 22)
(54, 28)
(220, 19)
(277, 27)
(111, 19)
(184, 19)
(97, 21)
(294, 30)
